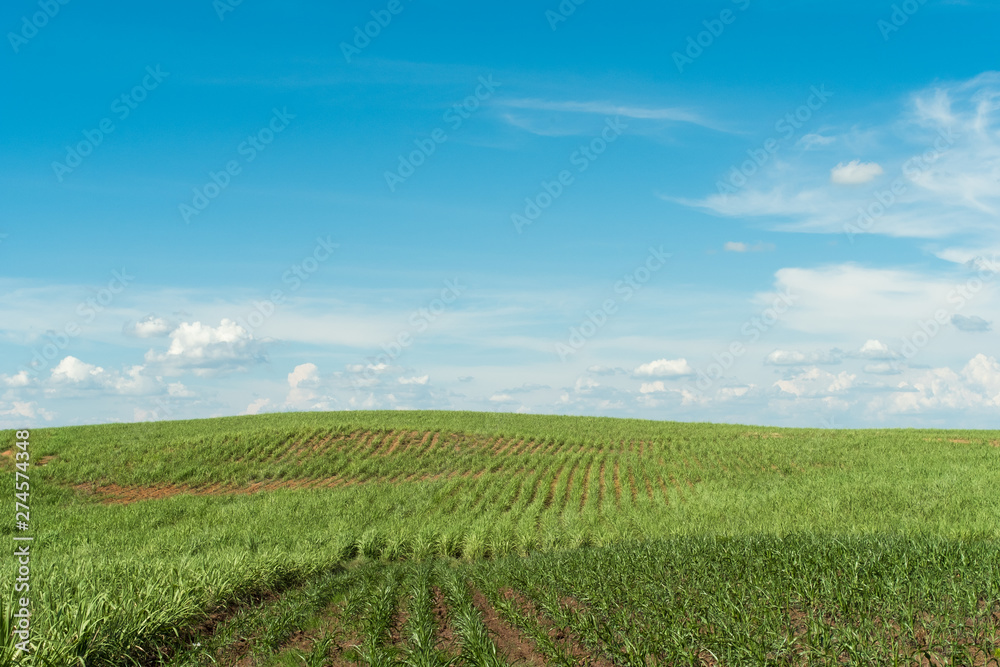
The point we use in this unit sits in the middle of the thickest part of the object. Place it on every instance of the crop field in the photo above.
(433, 538)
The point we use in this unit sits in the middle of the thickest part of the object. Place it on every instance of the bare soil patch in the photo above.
(586, 485)
(448, 640)
(563, 637)
(618, 484)
(510, 641)
(600, 490)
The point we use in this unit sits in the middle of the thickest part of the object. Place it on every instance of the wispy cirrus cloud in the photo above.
(565, 118)
(934, 173)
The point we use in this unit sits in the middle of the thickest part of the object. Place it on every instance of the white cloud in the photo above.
(148, 327)
(502, 398)
(729, 393)
(73, 371)
(665, 368)
(984, 372)
(875, 349)
(21, 379)
(652, 387)
(302, 382)
(26, 410)
(941, 156)
(842, 300)
(808, 141)
(256, 406)
(855, 172)
(303, 374)
(178, 390)
(414, 380)
(795, 358)
(815, 382)
(605, 109)
(935, 390)
(739, 246)
(206, 350)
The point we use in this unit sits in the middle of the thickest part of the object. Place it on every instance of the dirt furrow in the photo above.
(511, 642)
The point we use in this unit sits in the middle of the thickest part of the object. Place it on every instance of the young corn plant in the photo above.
(477, 646)
(380, 610)
(421, 627)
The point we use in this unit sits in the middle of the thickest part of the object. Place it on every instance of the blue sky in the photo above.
(761, 212)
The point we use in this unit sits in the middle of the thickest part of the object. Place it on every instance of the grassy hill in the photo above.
(642, 542)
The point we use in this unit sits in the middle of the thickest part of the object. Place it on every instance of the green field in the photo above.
(431, 538)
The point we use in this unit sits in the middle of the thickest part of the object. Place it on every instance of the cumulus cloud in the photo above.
(25, 410)
(302, 382)
(21, 379)
(937, 390)
(73, 371)
(303, 375)
(971, 323)
(150, 326)
(795, 358)
(815, 382)
(855, 172)
(876, 350)
(665, 368)
(739, 246)
(73, 375)
(502, 398)
(256, 406)
(984, 372)
(207, 350)
(414, 380)
(178, 390)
